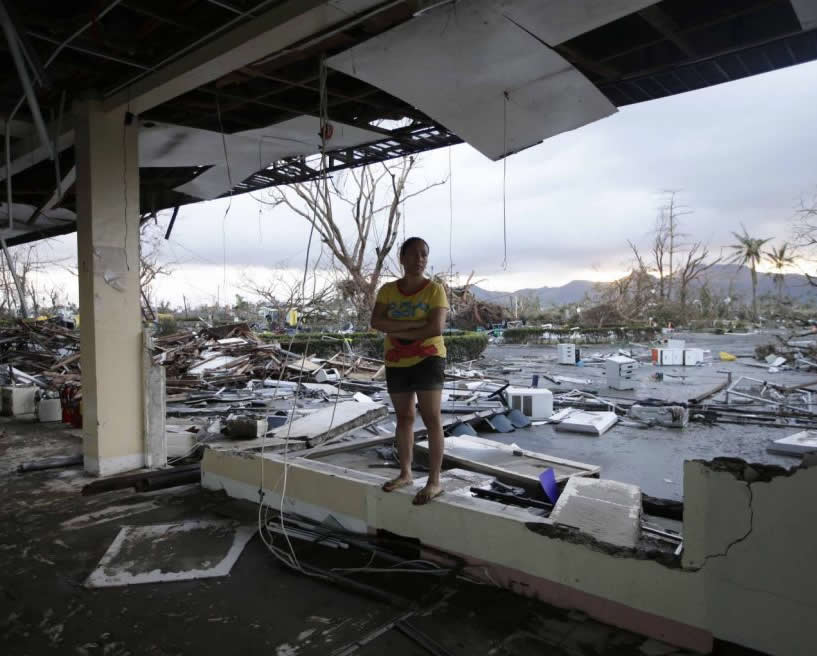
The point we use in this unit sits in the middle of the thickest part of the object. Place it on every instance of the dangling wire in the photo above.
(505, 180)
(450, 218)
(229, 203)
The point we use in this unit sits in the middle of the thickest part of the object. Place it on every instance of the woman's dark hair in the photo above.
(409, 242)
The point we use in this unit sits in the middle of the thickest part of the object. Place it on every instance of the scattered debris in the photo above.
(676, 417)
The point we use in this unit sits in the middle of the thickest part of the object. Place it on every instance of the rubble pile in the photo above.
(234, 356)
(41, 353)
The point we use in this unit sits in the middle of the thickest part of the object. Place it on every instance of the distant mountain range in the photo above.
(723, 279)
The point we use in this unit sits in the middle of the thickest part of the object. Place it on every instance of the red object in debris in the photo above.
(71, 413)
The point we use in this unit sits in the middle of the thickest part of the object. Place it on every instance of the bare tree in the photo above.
(151, 262)
(368, 200)
(658, 249)
(669, 234)
(805, 232)
(696, 263)
(283, 293)
(27, 261)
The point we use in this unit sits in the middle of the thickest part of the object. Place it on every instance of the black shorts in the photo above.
(428, 374)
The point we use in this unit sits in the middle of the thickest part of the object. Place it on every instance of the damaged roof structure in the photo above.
(393, 87)
(117, 110)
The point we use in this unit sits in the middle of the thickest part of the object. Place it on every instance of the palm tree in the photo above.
(748, 252)
(780, 259)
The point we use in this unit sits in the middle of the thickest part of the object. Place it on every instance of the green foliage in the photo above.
(166, 325)
(460, 346)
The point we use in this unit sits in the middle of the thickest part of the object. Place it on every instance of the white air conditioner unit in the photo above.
(535, 403)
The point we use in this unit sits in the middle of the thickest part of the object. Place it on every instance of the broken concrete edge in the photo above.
(749, 472)
(574, 536)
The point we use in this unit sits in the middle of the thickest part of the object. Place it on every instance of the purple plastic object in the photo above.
(548, 481)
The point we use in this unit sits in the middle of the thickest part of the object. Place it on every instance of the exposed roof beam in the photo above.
(215, 56)
(661, 21)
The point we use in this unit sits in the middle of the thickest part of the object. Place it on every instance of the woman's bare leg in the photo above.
(404, 410)
(430, 402)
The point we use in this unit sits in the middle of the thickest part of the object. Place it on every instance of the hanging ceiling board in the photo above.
(557, 21)
(806, 11)
(481, 75)
(167, 145)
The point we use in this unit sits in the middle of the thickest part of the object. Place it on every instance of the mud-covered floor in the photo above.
(652, 458)
(51, 538)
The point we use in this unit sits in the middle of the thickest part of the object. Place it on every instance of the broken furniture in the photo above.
(567, 354)
(619, 371)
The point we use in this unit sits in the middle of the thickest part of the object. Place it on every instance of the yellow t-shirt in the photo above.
(417, 306)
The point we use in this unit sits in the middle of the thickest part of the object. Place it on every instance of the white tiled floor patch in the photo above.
(171, 552)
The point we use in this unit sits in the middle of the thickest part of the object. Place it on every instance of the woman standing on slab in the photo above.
(411, 312)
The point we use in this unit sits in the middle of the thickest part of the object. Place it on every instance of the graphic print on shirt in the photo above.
(407, 309)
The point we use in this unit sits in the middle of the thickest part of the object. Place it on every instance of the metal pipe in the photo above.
(57, 129)
(25, 80)
(17, 284)
(89, 51)
(230, 8)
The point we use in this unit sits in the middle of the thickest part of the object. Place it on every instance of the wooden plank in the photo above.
(363, 443)
(529, 464)
(331, 421)
(709, 393)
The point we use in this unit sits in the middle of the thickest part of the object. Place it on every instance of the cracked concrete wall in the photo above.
(750, 541)
(752, 535)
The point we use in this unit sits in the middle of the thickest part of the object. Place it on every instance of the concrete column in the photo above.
(107, 190)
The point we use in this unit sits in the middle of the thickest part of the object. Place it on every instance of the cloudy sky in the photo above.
(743, 152)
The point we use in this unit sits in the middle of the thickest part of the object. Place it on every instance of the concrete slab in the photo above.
(609, 511)
(191, 549)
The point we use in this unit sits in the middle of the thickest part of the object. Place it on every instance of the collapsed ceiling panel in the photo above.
(480, 74)
(806, 11)
(165, 145)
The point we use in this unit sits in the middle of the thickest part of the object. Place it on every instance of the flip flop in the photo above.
(419, 501)
(390, 485)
